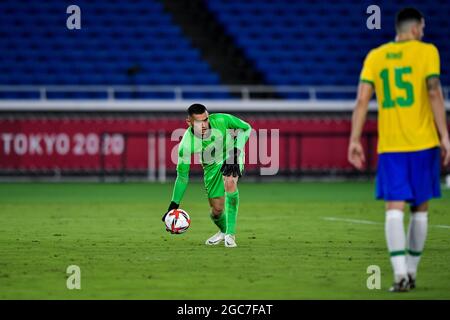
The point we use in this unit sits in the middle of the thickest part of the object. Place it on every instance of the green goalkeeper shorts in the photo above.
(213, 179)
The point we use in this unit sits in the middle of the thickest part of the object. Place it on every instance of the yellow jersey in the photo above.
(398, 72)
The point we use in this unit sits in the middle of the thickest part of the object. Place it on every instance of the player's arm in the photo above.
(181, 183)
(432, 71)
(182, 180)
(236, 156)
(355, 150)
(438, 106)
(244, 131)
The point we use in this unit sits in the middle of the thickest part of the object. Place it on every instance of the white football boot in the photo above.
(230, 241)
(215, 239)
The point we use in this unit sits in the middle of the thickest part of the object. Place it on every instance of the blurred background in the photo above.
(101, 102)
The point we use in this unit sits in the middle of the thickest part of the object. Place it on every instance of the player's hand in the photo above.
(231, 166)
(172, 206)
(445, 149)
(356, 154)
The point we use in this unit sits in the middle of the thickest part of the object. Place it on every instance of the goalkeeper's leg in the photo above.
(216, 192)
(231, 209)
(219, 218)
(216, 186)
(217, 214)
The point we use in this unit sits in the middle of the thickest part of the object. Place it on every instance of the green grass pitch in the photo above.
(289, 245)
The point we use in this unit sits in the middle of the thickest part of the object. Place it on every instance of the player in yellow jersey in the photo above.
(412, 131)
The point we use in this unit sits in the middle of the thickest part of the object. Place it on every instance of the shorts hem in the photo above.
(414, 202)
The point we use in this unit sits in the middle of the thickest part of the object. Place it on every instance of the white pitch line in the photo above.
(441, 226)
(350, 220)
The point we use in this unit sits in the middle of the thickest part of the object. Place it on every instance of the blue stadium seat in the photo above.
(289, 42)
(38, 49)
(310, 43)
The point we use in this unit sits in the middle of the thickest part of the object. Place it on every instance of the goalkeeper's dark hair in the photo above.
(407, 15)
(196, 108)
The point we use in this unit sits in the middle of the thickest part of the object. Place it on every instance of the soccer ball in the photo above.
(177, 221)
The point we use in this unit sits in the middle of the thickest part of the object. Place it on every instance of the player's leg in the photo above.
(417, 234)
(216, 191)
(219, 217)
(426, 167)
(396, 242)
(217, 212)
(231, 208)
(393, 186)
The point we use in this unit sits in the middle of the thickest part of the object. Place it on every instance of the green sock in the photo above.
(221, 221)
(231, 209)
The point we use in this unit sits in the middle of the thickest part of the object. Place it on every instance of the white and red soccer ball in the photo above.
(177, 221)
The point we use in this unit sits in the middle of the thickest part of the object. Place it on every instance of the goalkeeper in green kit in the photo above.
(222, 159)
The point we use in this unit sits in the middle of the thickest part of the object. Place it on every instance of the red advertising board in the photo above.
(88, 143)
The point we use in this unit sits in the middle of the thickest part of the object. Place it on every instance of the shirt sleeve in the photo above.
(433, 63)
(367, 72)
(183, 168)
(244, 130)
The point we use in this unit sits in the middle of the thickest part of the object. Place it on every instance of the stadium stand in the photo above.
(120, 43)
(137, 42)
(320, 42)
(157, 43)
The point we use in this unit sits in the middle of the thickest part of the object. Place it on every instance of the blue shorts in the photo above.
(409, 176)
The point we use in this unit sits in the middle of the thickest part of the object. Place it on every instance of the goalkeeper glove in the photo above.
(231, 166)
(172, 206)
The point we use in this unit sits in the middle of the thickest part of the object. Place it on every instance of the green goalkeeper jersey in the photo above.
(213, 148)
